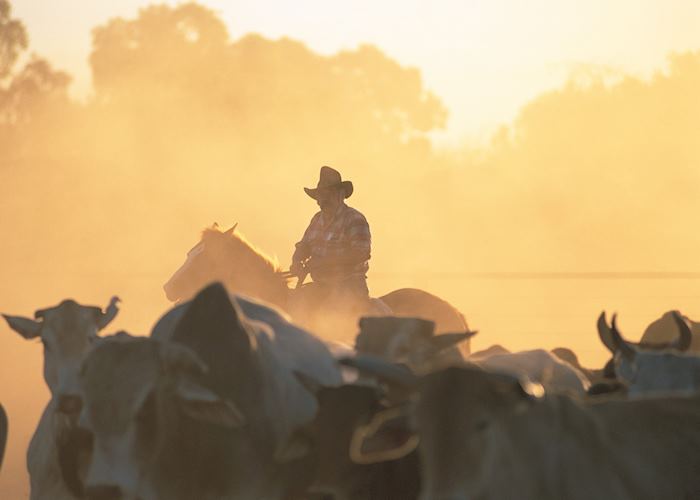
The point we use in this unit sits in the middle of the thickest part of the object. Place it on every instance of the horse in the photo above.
(228, 257)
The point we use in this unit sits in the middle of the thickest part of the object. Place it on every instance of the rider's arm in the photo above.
(360, 239)
(303, 247)
(302, 252)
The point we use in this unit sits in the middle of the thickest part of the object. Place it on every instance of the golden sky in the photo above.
(484, 58)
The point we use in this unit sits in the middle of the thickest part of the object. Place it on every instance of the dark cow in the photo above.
(329, 439)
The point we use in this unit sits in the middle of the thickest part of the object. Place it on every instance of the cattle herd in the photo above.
(228, 399)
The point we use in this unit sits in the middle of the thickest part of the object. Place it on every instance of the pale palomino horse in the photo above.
(228, 257)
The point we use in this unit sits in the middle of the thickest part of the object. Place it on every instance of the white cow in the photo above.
(202, 407)
(66, 332)
(659, 370)
(539, 366)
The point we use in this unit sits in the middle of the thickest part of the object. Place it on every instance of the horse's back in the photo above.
(421, 304)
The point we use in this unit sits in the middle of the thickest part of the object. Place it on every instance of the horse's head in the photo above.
(226, 256)
(204, 263)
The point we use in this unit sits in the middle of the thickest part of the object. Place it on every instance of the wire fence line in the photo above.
(517, 275)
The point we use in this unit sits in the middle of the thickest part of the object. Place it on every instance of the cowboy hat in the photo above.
(329, 178)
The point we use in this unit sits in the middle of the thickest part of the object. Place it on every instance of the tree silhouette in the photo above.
(13, 39)
(32, 91)
(271, 95)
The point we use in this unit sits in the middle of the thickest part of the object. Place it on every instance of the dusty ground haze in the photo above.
(188, 126)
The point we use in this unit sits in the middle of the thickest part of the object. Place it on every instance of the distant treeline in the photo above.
(185, 122)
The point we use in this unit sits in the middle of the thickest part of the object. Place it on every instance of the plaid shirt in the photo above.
(325, 240)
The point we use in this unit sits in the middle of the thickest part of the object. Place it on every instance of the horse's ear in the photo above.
(215, 225)
(233, 228)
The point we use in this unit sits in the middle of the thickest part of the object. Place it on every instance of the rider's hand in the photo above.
(313, 264)
(297, 268)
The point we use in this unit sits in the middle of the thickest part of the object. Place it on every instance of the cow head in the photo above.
(340, 411)
(457, 414)
(66, 332)
(645, 366)
(139, 392)
(411, 341)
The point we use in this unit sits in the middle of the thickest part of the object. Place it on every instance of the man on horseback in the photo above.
(335, 250)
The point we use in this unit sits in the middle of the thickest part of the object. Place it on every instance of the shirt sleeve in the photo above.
(358, 234)
(303, 247)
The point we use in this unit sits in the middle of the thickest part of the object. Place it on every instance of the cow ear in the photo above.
(202, 404)
(297, 446)
(446, 340)
(27, 328)
(387, 437)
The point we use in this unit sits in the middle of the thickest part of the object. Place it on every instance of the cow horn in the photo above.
(620, 344)
(447, 340)
(388, 451)
(109, 314)
(604, 333)
(682, 343)
(389, 373)
(232, 229)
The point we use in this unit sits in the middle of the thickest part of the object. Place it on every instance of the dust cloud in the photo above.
(188, 125)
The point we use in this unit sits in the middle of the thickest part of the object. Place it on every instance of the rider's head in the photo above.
(331, 190)
(329, 199)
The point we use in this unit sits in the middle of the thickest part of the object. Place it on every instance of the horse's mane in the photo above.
(238, 247)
